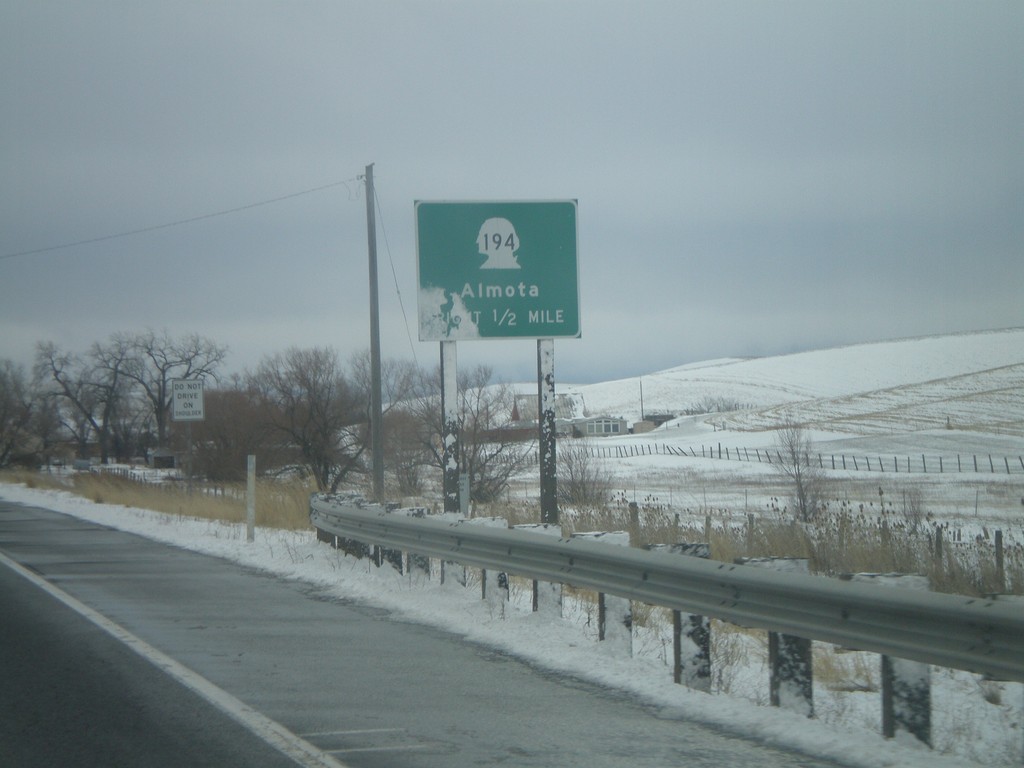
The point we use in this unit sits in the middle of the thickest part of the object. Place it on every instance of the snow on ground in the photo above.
(818, 375)
(932, 402)
(968, 729)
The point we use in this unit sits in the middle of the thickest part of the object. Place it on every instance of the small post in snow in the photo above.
(250, 499)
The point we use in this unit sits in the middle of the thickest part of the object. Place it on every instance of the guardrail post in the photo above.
(691, 634)
(906, 685)
(614, 614)
(493, 584)
(327, 538)
(792, 672)
(414, 561)
(392, 557)
(436, 568)
(547, 596)
(989, 680)
(352, 547)
(357, 549)
(396, 558)
(1000, 568)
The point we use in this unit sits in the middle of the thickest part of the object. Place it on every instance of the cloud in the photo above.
(751, 178)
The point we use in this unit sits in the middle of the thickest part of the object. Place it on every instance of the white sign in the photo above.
(187, 400)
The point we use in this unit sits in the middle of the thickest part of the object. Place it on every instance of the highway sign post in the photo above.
(499, 270)
(187, 405)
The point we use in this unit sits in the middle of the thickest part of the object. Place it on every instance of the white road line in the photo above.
(270, 731)
(404, 748)
(364, 732)
(357, 732)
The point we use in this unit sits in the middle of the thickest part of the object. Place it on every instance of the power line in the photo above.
(394, 276)
(178, 223)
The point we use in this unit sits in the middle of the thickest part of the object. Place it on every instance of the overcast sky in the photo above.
(753, 178)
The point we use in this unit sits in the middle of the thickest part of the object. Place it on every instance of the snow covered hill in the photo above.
(968, 381)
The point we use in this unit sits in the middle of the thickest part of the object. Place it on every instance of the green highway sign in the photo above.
(497, 270)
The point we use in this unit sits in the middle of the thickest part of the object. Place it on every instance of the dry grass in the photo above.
(284, 505)
(846, 671)
(32, 479)
(167, 498)
(845, 541)
(842, 541)
(279, 504)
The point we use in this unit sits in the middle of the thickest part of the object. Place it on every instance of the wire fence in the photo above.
(919, 464)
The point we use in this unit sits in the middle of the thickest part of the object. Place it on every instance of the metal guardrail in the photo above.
(985, 636)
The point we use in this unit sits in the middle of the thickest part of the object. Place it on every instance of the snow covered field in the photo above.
(830, 385)
(939, 396)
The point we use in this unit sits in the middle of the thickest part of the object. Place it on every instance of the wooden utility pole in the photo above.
(376, 407)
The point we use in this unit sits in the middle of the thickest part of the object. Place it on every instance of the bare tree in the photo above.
(311, 402)
(489, 451)
(103, 387)
(157, 359)
(582, 482)
(91, 392)
(237, 424)
(400, 379)
(16, 411)
(124, 419)
(131, 431)
(47, 429)
(806, 477)
(404, 448)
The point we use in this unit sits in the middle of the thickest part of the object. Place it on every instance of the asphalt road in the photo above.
(241, 668)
